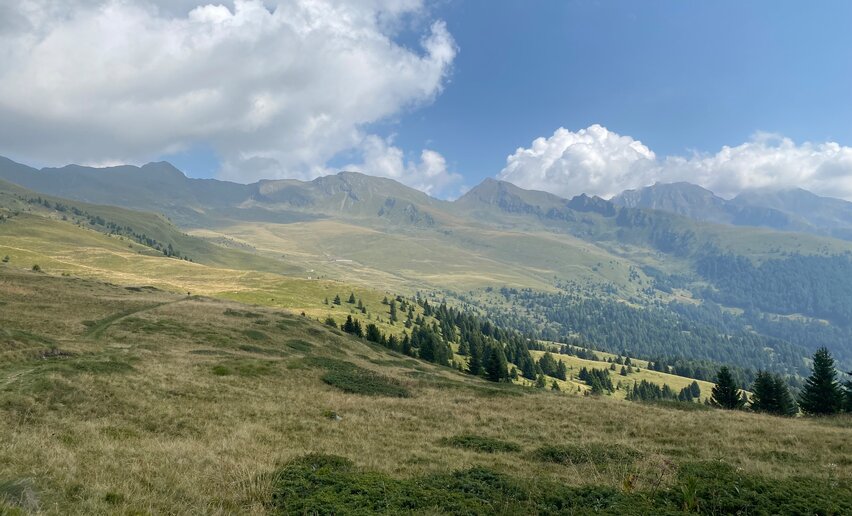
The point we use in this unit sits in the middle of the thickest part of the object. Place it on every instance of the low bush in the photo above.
(350, 378)
(326, 484)
(576, 454)
(480, 443)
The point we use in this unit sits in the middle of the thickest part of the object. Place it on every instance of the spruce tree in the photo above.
(764, 397)
(337, 299)
(786, 405)
(497, 369)
(351, 298)
(695, 389)
(726, 394)
(561, 370)
(848, 388)
(474, 363)
(597, 388)
(821, 394)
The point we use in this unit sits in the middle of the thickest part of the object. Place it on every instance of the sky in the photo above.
(565, 96)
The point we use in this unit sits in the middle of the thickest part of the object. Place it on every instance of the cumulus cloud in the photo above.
(429, 174)
(600, 162)
(276, 87)
(593, 160)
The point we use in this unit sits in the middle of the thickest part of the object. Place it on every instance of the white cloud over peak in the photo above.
(592, 160)
(275, 87)
(600, 162)
(429, 174)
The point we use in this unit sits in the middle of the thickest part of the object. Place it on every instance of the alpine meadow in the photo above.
(331, 257)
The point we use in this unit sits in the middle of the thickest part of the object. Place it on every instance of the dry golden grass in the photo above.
(169, 435)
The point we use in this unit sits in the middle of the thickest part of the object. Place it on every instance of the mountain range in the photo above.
(792, 209)
(773, 257)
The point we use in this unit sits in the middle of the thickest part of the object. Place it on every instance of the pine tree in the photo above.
(848, 388)
(373, 334)
(561, 370)
(695, 390)
(623, 371)
(474, 363)
(337, 299)
(539, 382)
(764, 398)
(349, 325)
(554, 386)
(330, 322)
(497, 369)
(726, 394)
(351, 298)
(393, 316)
(597, 388)
(786, 405)
(821, 394)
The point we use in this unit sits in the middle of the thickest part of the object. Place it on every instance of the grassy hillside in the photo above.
(132, 225)
(136, 400)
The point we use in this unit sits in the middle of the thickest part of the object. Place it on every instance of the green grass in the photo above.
(139, 421)
(480, 443)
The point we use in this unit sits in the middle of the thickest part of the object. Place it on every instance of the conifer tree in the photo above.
(498, 368)
(597, 388)
(847, 387)
(695, 390)
(554, 386)
(821, 394)
(393, 316)
(351, 298)
(373, 334)
(406, 345)
(561, 370)
(330, 322)
(726, 394)
(786, 405)
(474, 363)
(623, 371)
(539, 382)
(764, 398)
(337, 299)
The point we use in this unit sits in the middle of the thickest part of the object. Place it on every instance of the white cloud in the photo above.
(600, 162)
(275, 87)
(430, 174)
(593, 160)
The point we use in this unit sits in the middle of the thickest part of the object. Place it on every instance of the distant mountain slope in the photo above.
(783, 210)
(378, 233)
(192, 202)
(151, 231)
(832, 216)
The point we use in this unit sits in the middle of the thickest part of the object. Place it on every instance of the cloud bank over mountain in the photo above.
(601, 162)
(276, 88)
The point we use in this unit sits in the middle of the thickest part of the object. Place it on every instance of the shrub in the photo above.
(326, 484)
(480, 443)
(597, 454)
(351, 378)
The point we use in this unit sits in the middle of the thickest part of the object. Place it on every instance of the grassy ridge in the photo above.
(141, 419)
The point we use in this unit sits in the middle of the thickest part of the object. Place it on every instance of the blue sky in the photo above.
(676, 75)
(440, 94)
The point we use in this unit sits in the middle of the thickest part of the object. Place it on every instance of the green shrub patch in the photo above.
(480, 443)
